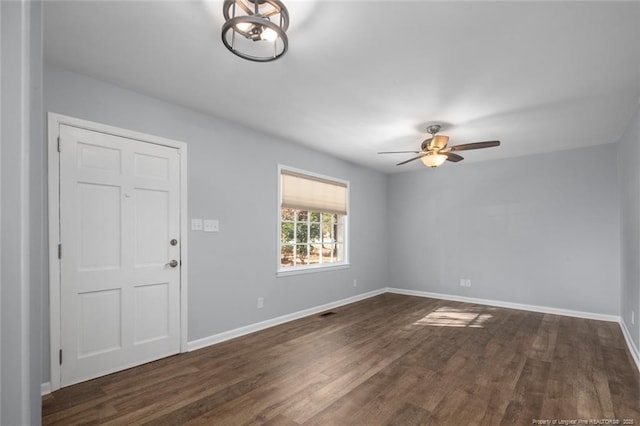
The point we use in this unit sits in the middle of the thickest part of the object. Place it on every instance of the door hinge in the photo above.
(59, 251)
(58, 143)
(60, 356)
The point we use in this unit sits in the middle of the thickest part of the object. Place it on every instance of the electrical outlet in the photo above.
(467, 282)
(260, 302)
(355, 283)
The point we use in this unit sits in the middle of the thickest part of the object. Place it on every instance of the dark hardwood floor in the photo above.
(390, 359)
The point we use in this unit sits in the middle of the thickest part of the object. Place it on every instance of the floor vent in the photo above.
(326, 314)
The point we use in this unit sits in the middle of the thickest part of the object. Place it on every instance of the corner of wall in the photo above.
(629, 194)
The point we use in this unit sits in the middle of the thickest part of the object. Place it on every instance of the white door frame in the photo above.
(53, 131)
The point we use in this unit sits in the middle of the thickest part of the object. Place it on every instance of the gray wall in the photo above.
(233, 178)
(21, 179)
(628, 166)
(540, 230)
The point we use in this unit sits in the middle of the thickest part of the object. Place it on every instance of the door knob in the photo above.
(173, 263)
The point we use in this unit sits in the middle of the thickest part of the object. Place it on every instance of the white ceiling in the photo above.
(368, 76)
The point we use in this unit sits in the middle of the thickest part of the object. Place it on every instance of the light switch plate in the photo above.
(196, 224)
(211, 225)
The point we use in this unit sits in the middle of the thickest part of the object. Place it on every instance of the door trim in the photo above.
(54, 121)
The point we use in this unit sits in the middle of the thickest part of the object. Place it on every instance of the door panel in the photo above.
(98, 157)
(119, 209)
(151, 166)
(151, 227)
(99, 214)
(99, 322)
(152, 312)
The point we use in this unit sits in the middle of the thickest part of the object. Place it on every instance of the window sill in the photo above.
(311, 269)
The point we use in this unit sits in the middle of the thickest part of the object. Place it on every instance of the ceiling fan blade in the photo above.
(399, 152)
(411, 159)
(474, 145)
(454, 157)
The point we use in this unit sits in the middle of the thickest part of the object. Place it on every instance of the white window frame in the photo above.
(306, 269)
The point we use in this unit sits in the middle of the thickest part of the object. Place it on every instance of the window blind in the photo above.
(305, 192)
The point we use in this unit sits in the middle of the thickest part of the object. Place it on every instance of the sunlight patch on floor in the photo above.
(455, 317)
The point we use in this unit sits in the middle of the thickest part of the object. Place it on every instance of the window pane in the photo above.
(339, 252)
(316, 217)
(315, 235)
(328, 253)
(314, 257)
(301, 232)
(286, 232)
(327, 233)
(339, 232)
(286, 255)
(302, 251)
(302, 215)
(328, 217)
(288, 214)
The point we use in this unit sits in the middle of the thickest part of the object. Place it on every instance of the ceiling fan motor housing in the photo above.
(435, 142)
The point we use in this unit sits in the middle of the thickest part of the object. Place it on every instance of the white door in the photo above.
(119, 233)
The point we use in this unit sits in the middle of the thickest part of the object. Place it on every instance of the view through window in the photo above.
(310, 238)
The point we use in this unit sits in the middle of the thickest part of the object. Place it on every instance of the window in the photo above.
(312, 221)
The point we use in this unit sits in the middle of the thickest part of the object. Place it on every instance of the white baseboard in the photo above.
(635, 353)
(251, 328)
(510, 305)
(45, 388)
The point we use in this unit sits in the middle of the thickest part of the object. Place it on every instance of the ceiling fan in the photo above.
(434, 151)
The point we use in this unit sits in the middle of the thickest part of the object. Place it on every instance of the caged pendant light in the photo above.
(256, 29)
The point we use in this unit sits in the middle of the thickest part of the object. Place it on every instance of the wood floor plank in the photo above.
(387, 360)
(409, 415)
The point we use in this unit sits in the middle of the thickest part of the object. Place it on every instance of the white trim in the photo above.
(635, 353)
(312, 269)
(53, 125)
(45, 388)
(510, 305)
(25, 134)
(280, 272)
(54, 239)
(252, 328)
(184, 245)
(315, 175)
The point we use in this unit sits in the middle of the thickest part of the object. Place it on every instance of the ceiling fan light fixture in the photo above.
(433, 159)
(431, 149)
(255, 29)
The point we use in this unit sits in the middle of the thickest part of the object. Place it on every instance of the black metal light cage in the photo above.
(246, 21)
